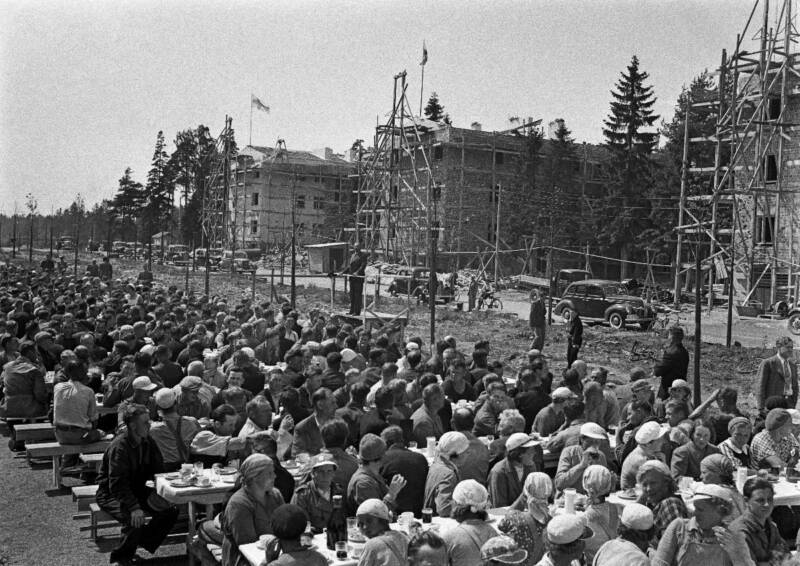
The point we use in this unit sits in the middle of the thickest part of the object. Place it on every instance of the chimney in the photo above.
(553, 127)
(476, 126)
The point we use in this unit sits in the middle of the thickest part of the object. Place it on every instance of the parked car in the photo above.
(793, 321)
(178, 254)
(239, 259)
(561, 281)
(415, 280)
(602, 300)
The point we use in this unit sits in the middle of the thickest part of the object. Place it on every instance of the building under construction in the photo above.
(458, 185)
(749, 218)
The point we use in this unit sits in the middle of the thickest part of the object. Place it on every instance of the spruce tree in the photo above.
(158, 191)
(434, 110)
(627, 211)
(128, 201)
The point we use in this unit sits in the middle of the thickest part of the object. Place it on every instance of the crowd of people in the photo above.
(262, 386)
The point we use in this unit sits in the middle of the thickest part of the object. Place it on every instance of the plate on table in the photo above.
(627, 494)
(227, 471)
(172, 476)
(181, 483)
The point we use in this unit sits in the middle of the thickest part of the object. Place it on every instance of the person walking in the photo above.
(536, 320)
(674, 363)
(574, 337)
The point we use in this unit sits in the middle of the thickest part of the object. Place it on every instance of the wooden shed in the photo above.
(327, 258)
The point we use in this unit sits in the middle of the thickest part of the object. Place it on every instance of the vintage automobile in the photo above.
(414, 281)
(601, 300)
(241, 263)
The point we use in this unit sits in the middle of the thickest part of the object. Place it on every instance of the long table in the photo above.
(256, 557)
(191, 496)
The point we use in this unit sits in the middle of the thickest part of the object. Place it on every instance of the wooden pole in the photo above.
(697, 309)
(30, 241)
(77, 245)
(496, 191)
(432, 266)
(294, 231)
(682, 203)
(729, 322)
(14, 237)
(253, 291)
(717, 163)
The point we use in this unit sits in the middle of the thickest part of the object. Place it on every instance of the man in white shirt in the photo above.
(259, 417)
(215, 444)
(75, 408)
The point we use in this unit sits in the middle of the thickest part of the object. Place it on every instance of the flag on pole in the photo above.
(424, 54)
(255, 102)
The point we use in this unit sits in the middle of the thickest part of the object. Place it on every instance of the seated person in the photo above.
(216, 444)
(173, 434)
(426, 420)
(384, 546)
(686, 458)
(737, 446)
(248, 513)
(259, 417)
(132, 460)
(288, 525)
(775, 446)
(23, 386)
(574, 460)
(507, 476)
(75, 408)
(511, 421)
(648, 447)
(315, 497)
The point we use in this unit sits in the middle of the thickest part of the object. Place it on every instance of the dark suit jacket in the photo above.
(414, 468)
(771, 380)
(674, 365)
(307, 437)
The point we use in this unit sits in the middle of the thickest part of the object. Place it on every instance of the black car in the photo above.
(602, 300)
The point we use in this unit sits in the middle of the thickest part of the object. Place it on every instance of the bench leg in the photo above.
(56, 472)
(93, 527)
(190, 534)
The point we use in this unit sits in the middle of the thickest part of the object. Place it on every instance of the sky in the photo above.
(86, 85)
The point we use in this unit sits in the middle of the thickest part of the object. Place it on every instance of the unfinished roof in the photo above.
(261, 153)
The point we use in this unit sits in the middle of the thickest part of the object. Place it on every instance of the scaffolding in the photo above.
(396, 196)
(748, 216)
(218, 231)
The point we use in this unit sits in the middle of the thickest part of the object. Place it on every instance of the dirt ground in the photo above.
(36, 524)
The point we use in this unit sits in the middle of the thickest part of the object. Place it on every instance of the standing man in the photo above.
(106, 271)
(536, 320)
(778, 375)
(128, 464)
(674, 363)
(356, 268)
(574, 337)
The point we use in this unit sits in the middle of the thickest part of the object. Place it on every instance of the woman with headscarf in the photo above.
(703, 540)
(658, 493)
(464, 540)
(527, 527)
(775, 446)
(718, 470)
(602, 517)
(737, 446)
(765, 543)
(248, 512)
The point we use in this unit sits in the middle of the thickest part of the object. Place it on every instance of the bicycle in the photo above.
(664, 321)
(488, 300)
(749, 366)
(639, 352)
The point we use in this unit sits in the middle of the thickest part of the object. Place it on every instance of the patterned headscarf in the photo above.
(718, 464)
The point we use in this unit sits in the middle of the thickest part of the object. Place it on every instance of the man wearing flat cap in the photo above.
(777, 375)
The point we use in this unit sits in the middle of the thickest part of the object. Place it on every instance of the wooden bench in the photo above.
(100, 520)
(84, 495)
(94, 459)
(55, 451)
(13, 423)
(35, 432)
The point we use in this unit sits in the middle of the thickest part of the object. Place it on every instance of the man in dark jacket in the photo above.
(777, 375)
(536, 320)
(356, 268)
(411, 465)
(574, 337)
(674, 363)
(131, 460)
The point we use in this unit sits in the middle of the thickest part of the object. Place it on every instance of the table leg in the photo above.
(56, 472)
(190, 534)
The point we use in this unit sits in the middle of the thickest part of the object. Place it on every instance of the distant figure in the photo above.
(574, 337)
(536, 320)
(93, 270)
(777, 376)
(106, 271)
(356, 268)
(47, 263)
(674, 363)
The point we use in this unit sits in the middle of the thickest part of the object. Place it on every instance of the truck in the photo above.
(561, 281)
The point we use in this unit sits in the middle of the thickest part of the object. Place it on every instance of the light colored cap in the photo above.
(503, 550)
(712, 491)
(453, 443)
(412, 346)
(538, 485)
(374, 508)
(640, 385)
(165, 398)
(148, 349)
(598, 480)
(250, 352)
(562, 393)
(143, 382)
(348, 355)
(470, 492)
(324, 459)
(593, 430)
(519, 440)
(680, 384)
(564, 529)
(191, 382)
(637, 517)
(648, 432)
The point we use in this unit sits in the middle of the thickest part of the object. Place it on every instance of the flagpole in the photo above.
(251, 119)
(421, 87)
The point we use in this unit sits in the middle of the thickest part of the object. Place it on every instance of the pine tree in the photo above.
(128, 201)
(157, 209)
(434, 111)
(627, 211)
